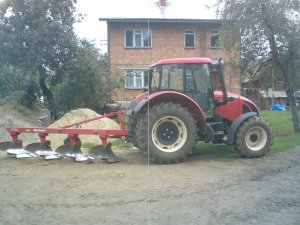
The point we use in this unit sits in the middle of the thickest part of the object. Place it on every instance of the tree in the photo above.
(11, 79)
(270, 33)
(37, 37)
(82, 84)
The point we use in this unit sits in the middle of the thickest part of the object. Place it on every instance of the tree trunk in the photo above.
(282, 70)
(291, 97)
(47, 93)
(295, 115)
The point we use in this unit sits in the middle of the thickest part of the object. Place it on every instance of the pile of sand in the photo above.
(11, 117)
(80, 115)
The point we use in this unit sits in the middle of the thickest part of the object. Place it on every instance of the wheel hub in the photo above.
(167, 133)
(256, 138)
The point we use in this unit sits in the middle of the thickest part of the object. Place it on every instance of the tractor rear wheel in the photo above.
(131, 127)
(167, 133)
(253, 138)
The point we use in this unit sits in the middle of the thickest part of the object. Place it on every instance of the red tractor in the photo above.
(182, 106)
(184, 103)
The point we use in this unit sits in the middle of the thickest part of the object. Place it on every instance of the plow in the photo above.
(71, 148)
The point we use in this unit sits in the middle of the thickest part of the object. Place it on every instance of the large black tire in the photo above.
(167, 133)
(131, 127)
(253, 138)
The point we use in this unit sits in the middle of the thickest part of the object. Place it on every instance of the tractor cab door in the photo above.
(199, 86)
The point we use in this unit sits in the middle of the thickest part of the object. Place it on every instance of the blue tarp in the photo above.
(278, 107)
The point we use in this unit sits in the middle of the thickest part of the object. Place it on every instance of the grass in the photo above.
(283, 138)
(281, 122)
(88, 145)
(121, 144)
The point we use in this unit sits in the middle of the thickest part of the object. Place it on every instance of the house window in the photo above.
(138, 38)
(136, 78)
(189, 39)
(214, 39)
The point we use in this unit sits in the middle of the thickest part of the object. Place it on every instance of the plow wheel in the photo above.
(105, 153)
(11, 145)
(172, 133)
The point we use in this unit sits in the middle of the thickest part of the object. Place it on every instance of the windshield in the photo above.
(169, 77)
(180, 77)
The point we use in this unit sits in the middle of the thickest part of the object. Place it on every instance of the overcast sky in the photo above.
(92, 29)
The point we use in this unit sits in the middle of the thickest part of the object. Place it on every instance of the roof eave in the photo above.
(158, 20)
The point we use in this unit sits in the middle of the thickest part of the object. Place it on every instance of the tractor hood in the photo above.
(218, 95)
(236, 106)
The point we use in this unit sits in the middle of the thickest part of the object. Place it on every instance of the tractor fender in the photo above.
(177, 97)
(236, 124)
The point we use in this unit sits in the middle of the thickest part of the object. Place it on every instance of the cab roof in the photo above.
(196, 60)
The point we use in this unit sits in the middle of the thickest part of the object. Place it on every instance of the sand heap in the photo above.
(80, 115)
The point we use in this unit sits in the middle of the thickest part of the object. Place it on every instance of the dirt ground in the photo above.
(202, 190)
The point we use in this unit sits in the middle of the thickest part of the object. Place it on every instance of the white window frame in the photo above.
(213, 34)
(139, 36)
(137, 74)
(189, 32)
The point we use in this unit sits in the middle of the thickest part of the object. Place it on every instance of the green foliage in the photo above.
(31, 94)
(11, 79)
(270, 37)
(41, 55)
(37, 37)
(259, 21)
(82, 84)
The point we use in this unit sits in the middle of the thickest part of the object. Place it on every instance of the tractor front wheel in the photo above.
(167, 133)
(253, 138)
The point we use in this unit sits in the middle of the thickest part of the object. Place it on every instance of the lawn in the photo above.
(282, 127)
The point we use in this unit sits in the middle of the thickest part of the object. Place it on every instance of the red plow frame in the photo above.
(103, 151)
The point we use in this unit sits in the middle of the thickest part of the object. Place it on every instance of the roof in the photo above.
(196, 60)
(159, 20)
(275, 94)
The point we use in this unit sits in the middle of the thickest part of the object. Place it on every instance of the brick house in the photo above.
(134, 44)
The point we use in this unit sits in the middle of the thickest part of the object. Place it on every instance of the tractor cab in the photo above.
(190, 76)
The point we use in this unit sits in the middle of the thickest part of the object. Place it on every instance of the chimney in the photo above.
(162, 3)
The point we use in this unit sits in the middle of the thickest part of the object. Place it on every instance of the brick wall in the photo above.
(167, 42)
